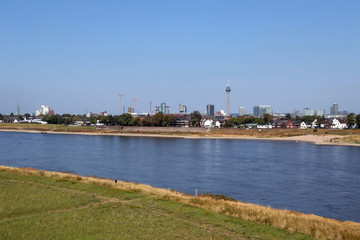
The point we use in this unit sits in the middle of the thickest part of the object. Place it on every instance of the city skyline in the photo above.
(82, 55)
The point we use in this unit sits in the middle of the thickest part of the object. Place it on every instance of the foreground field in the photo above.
(35, 207)
(46, 205)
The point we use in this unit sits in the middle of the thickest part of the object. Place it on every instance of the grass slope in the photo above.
(38, 207)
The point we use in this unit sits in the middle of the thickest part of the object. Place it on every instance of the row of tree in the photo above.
(239, 121)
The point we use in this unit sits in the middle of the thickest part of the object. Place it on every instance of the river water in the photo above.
(323, 180)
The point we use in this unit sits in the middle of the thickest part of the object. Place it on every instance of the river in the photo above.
(323, 180)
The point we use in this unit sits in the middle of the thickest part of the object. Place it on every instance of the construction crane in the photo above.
(135, 104)
(120, 95)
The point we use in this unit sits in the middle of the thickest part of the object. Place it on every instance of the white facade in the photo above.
(303, 125)
(44, 110)
(320, 112)
(217, 124)
(337, 125)
(314, 124)
(208, 123)
(264, 126)
(309, 112)
(242, 111)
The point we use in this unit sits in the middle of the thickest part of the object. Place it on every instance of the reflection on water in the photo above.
(300, 176)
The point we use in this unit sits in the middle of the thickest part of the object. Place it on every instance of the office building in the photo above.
(242, 111)
(182, 108)
(260, 110)
(163, 108)
(334, 109)
(309, 112)
(210, 110)
(320, 112)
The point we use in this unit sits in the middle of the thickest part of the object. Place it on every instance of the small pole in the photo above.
(196, 192)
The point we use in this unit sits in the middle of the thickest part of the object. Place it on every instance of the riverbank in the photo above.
(94, 204)
(321, 137)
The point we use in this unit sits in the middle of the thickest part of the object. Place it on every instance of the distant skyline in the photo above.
(78, 55)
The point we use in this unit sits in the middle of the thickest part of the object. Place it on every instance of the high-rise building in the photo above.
(182, 108)
(228, 90)
(320, 112)
(163, 108)
(242, 111)
(210, 110)
(334, 109)
(309, 112)
(260, 110)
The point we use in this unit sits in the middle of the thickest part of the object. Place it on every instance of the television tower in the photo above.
(228, 90)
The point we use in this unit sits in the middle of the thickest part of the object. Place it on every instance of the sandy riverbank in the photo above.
(316, 139)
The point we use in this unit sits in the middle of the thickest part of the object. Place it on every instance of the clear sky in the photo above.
(78, 55)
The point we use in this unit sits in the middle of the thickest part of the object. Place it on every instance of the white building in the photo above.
(336, 124)
(269, 126)
(44, 110)
(242, 111)
(208, 123)
(303, 125)
(309, 112)
(320, 112)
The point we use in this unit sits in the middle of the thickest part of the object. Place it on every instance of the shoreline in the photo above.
(324, 140)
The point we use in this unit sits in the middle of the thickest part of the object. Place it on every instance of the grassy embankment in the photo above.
(46, 205)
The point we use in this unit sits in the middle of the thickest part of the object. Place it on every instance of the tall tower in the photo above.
(228, 90)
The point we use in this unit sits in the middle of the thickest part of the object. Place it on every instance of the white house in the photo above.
(336, 124)
(217, 124)
(314, 123)
(208, 123)
(303, 125)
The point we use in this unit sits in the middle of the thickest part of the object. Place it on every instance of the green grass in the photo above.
(34, 207)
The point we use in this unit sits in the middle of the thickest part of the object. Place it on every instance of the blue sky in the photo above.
(78, 55)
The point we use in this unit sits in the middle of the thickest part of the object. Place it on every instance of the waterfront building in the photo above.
(260, 110)
(210, 110)
(242, 111)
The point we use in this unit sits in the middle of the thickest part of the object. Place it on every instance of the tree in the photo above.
(351, 121)
(135, 122)
(168, 120)
(158, 119)
(124, 119)
(1, 117)
(288, 116)
(261, 121)
(268, 118)
(358, 120)
(147, 121)
(229, 123)
(195, 118)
